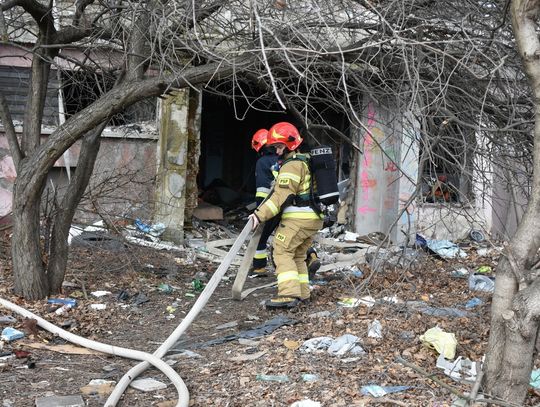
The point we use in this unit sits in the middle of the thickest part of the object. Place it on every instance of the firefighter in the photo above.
(264, 176)
(300, 221)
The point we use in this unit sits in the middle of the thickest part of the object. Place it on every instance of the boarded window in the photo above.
(14, 85)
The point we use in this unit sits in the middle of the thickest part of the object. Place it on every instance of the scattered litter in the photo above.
(461, 272)
(484, 270)
(535, 379)
(245, 358)
(100, 387)
(483, 251)
(422, 307)
(63, 301)
(460, 369)
(140, 298)
(320, 314)
(165, 288)
(153, 230)
(66, 348)
(7, 319)
(98, 306)
(5, 356)
(63, 309)
(338, 347)
(392, 300)
(148, 384)
(21, 354)
(292, 345)
(186, 353)
(306, 403)
(308, 377)
(375, 329)
(443, 342)
(11, 334)
(247, 342)
(100, 293)
(272, 378)
(481, 283)
(202, 276)
(476, 235)
(380, 391)
(350, 236)
(197, 285)
(171, 309)
(473, 302)
(60, 401)
(348, 302)
(191, 295)
(228, 325)
(264, 329)
(445, 248)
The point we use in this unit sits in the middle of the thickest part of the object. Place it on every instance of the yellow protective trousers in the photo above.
(292, 239)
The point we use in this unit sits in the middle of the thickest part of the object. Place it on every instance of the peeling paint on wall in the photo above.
(172, 165)
(377, 189)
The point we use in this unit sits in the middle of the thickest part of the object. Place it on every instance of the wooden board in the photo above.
(245, 265)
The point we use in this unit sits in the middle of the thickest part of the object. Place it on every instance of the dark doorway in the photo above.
(226, 154)
(227, 159)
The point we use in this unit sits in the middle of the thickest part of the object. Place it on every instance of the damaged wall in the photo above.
(178, 154)
(377, 176)
(123, 179)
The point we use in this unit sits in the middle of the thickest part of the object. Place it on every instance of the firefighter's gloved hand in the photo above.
(255, 220)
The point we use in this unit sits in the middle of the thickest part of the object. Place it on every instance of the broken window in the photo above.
(82, 88)
(447, 163)
(14, 82)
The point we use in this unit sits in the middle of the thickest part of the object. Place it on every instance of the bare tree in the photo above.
(515, 310)
(455, 69)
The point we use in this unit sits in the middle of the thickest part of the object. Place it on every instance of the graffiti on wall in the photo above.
(365, 181)
(7, 178)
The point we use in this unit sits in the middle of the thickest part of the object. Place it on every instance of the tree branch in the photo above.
(13, 142)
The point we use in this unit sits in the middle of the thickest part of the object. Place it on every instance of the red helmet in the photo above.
(259, 139)
(284, 133)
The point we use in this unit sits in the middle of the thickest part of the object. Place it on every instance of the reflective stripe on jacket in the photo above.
(293, 180)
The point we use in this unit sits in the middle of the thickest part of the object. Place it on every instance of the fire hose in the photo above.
(146, 358)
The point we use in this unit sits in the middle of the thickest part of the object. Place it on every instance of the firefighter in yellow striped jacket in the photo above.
(290, 196)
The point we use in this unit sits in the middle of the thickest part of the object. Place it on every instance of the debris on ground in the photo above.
(380, 391)
(406, 290)
(443, 342)
(479, 282)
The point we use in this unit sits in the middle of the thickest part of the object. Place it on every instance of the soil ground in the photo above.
(213, 379)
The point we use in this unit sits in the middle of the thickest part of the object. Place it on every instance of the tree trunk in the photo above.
(28, 271)
(30, 278)
(62, 220)
(515, 311)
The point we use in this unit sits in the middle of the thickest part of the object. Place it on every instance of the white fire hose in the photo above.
(146, 358)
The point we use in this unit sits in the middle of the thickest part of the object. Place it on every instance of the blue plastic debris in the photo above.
(11, 334)
(154, 230)
(535, 379)
(380, 391)
(479, 282)
(445, 248)
(64, 301)
(473, 302)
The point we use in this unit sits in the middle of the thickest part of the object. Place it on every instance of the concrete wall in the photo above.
(123, 180)
(178, 161)
(377, 178)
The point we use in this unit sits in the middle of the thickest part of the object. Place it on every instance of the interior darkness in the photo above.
(227, 159)
(82, 88)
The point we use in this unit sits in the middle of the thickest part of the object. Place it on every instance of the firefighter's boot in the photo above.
(313, 263)
(282, 302)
